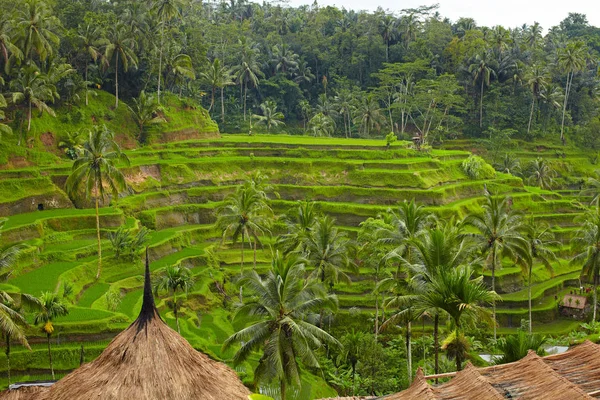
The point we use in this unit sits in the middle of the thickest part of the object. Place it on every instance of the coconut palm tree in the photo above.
(541, 240)
(37, 26)
(218, 76)
(8, 47)
(586, 244)
(352, 348)
(244, 215)
(181, 67)
(91, 40)
(145, 110)
(482, 71)
(4, 129)
(497, 235)
(344, 102)
(327, 252)
(248, 72)
(321, 125)
(285, 59)
(174, 278)
(541, 173)
(509, 165)
(571, 59)
(50, 307)
(388, 29)
(165, 11)
(120, 47)
(281, 301)
(300, 222)
(270, 116)
(536, 78)
(33, 88)
(95, 170)
(368, 114)
(305, 110)
(457, 294)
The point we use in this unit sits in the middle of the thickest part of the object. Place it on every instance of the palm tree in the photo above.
(587, 245)
(352, 348)
(369, 114)
(36, 25)
(344, 101)
(281, 302)
(515, 347)
(165, 11)
(541, 173)
(247, 72)
(50, 307)
(270, 116)
(540, 239)
(300, 222)
(285, 60)
(91, 40)
(8, 48)
(327, 251)
(509, 165)
(321, 125)
(145, 111)
(175, 278)
(498, 235)
(33, 88)
(460, 296)
(593, 189)
(305, 110)
(571, 59)
(388, 29)
(181, 67)
(218, 76)
(537, 79)
(482, 71)
(96, 169)
(244, 215)
(120, 47)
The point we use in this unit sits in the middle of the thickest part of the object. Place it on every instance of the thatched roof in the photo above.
(150, 361)
(571, 375)
(24, 393)
(574, 301)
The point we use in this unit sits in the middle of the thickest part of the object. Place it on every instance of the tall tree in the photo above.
(33, 88)
(145, 110)
(95, 171)
(165, 11)
(586, 244)
(482, 71)
(120, 48)
(280, 302)
(498, 235)
(536, 79)
(8, 47)
(91, 41)
(247, 72)
(571, 59)
(50, 308)
(217, 76)
(37, 25)
(270, 116)
(175, 278)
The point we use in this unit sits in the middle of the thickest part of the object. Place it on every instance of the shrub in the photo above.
(126, 244)
(476, 168)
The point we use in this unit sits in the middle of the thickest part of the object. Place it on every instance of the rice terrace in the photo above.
(233, 200)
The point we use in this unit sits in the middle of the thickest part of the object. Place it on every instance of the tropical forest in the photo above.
(330, 201)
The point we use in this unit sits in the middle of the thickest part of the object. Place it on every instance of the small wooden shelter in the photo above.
(573, 306)
(147, 361)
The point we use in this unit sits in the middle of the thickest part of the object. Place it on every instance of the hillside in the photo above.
(177, 185)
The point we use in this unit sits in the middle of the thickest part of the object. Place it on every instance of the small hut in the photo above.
(573, 306)
(148, 361)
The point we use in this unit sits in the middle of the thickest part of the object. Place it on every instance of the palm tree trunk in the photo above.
(481, 104)
(494, 289)
(245, 97)
(376, 315)
(242, 268)
(7, 352)
(98, 235)
(529, 297)
(562, 123)
(409, 350)
(222, 105)
(86, 84)
(436, 345)
(162, 35)
(530, 115)
(29, 117)
(117, 81)
(254, 265)
(50, 356)
(175, 313)
(212, 99)
(282, 388)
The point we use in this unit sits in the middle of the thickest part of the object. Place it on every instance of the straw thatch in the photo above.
(24, 393)
(150, 361)
(571, 375)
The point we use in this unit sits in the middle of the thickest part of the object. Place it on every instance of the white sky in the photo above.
(509, 13)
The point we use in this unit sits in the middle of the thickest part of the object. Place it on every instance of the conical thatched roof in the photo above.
(150, 361)
(24, 393)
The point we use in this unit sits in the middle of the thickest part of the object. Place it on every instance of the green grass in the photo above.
(44, 278)
(29, 218)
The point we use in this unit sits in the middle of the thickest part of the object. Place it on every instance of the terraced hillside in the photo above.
(176, 189)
